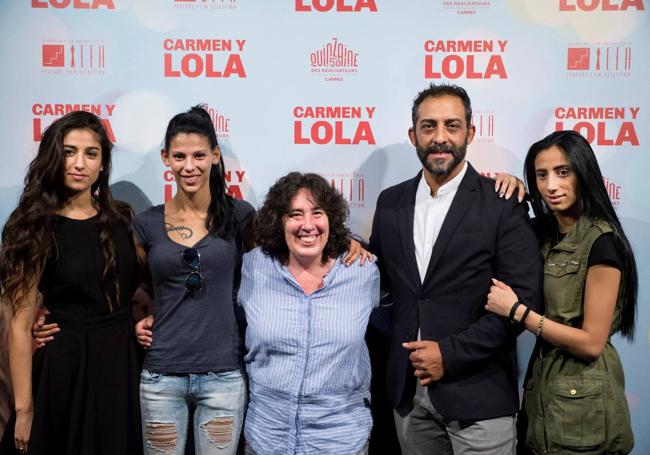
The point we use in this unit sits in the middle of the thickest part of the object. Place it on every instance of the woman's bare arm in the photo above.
(20, 362)
(586, 342)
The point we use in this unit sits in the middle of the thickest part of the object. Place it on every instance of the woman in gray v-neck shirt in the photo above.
(193, 245)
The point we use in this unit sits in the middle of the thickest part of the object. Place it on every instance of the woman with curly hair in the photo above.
(307, 361)
(574, 397)
(69, 242)
(193, 244)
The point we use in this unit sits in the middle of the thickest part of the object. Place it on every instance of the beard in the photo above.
(440, 166)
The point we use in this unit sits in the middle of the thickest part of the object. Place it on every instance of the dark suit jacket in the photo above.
(483, 236)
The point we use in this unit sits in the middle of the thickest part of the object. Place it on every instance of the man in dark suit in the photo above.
(440, 238)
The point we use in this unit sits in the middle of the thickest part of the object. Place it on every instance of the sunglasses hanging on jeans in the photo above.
(192, 258)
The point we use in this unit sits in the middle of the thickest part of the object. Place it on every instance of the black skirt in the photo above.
(85, 386)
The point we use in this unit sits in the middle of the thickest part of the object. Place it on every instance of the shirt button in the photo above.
(573, 392)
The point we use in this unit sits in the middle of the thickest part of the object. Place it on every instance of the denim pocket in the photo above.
(148, 377)
(226, 376)
(576, 412)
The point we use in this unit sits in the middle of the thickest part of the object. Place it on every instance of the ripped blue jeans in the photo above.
(220, 400)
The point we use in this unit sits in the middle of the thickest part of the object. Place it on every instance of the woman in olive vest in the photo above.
(574, 398)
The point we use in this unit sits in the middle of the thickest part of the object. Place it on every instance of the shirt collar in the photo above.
(450, 186)
(327, 279)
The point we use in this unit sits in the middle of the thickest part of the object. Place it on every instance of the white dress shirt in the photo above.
(430, 213)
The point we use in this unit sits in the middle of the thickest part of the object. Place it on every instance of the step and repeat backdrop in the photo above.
(327, 86)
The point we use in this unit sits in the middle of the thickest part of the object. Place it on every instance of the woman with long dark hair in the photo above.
(70, 242)
(574, 399)
(193, 245)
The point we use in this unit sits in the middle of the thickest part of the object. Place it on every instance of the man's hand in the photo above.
(143, 331)
(426, 359)
(44, 333)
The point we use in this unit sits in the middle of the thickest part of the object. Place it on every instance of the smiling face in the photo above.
(83, 160)
(306, 228)
(441, 135)
(556, 181)
(190, 158)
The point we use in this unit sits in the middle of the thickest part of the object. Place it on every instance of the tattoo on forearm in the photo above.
(183, 231)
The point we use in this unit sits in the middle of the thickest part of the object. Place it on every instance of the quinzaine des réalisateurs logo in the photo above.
(334, 61)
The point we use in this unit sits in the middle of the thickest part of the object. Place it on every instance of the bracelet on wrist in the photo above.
(513, 310)
(522, 321)
(540, 324)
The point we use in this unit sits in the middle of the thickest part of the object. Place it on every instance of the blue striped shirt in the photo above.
(307, 360)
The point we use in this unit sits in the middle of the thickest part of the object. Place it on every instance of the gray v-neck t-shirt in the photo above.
(193, 332)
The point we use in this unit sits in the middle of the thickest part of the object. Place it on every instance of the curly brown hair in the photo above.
(269, 231)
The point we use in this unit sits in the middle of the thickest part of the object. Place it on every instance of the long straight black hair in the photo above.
(593, 202)
(221, 212)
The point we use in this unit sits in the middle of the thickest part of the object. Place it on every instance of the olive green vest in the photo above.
(572, 405)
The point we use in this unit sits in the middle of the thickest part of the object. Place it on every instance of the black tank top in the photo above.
(72, 284)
